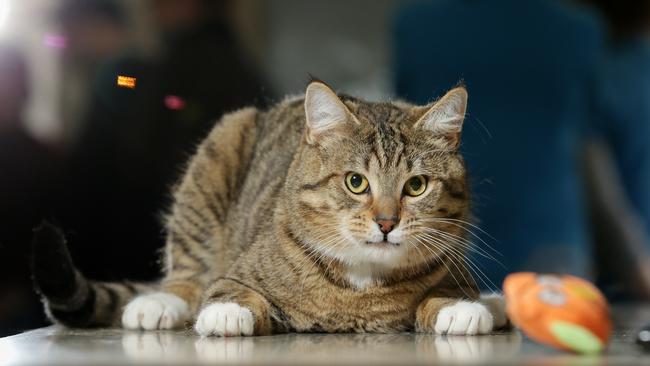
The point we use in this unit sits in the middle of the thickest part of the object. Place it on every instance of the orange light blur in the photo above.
(126, 81)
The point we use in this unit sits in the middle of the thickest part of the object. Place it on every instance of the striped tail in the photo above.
(70, 299)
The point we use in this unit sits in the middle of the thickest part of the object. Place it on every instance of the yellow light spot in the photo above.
(126, 81)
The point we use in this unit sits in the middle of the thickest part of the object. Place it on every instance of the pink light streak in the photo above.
(55, 41)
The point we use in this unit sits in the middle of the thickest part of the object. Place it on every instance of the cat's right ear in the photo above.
(326, 114)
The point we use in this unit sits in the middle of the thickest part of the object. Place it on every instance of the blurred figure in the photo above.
(134, 142)
(94, 31)
(28, 170)
(623, 210)
(204, 70)
(529, 67)
(96, 28)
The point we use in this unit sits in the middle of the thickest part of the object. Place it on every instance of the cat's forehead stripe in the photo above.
(390, 142)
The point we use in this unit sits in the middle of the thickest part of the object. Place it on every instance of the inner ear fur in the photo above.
(445, 117)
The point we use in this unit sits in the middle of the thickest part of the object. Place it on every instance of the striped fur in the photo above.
(262, 218)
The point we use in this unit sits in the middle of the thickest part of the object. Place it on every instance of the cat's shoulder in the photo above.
(233, 124)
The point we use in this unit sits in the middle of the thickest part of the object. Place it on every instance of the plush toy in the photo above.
(558, 310)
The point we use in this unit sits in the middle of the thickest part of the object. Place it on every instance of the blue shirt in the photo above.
(529, 67)
(625, 119)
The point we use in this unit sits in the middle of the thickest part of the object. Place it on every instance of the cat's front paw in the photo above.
(464, 318)
(159, 310)
(225, 320)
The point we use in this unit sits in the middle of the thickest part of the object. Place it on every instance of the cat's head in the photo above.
(379, 183)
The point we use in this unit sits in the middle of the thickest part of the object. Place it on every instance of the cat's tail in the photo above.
(69, 298)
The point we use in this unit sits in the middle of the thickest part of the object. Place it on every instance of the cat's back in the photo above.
(279, 130)
(278, 133)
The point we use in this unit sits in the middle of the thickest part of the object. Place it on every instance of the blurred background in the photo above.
(557, 135)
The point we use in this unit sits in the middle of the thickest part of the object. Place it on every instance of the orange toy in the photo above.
(558, 310)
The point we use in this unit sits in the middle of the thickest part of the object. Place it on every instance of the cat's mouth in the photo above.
(382, 243)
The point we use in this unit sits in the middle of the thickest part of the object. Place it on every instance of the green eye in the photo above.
(415, 186)
(356, 183)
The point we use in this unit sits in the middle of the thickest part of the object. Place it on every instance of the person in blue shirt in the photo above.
(623, 124)
(530, 69)
(624, 102)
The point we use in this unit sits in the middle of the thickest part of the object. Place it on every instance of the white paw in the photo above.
(464, 318)
(155, 311)
(226, 320)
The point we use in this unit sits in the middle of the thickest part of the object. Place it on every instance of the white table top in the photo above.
(55, 345)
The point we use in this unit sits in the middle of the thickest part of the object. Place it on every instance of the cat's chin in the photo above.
(382, 253)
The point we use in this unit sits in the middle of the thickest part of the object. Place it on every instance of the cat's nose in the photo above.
(386, 224)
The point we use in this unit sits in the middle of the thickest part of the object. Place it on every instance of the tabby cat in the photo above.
(325, 213)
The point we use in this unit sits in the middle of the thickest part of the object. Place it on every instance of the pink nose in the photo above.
(386, 225)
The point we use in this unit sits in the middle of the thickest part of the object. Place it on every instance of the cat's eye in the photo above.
(415, 186)
(356, 183)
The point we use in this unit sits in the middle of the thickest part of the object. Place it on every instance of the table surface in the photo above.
(55, 345)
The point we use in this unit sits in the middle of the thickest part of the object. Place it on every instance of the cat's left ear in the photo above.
(446, 116)
(326, 114)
